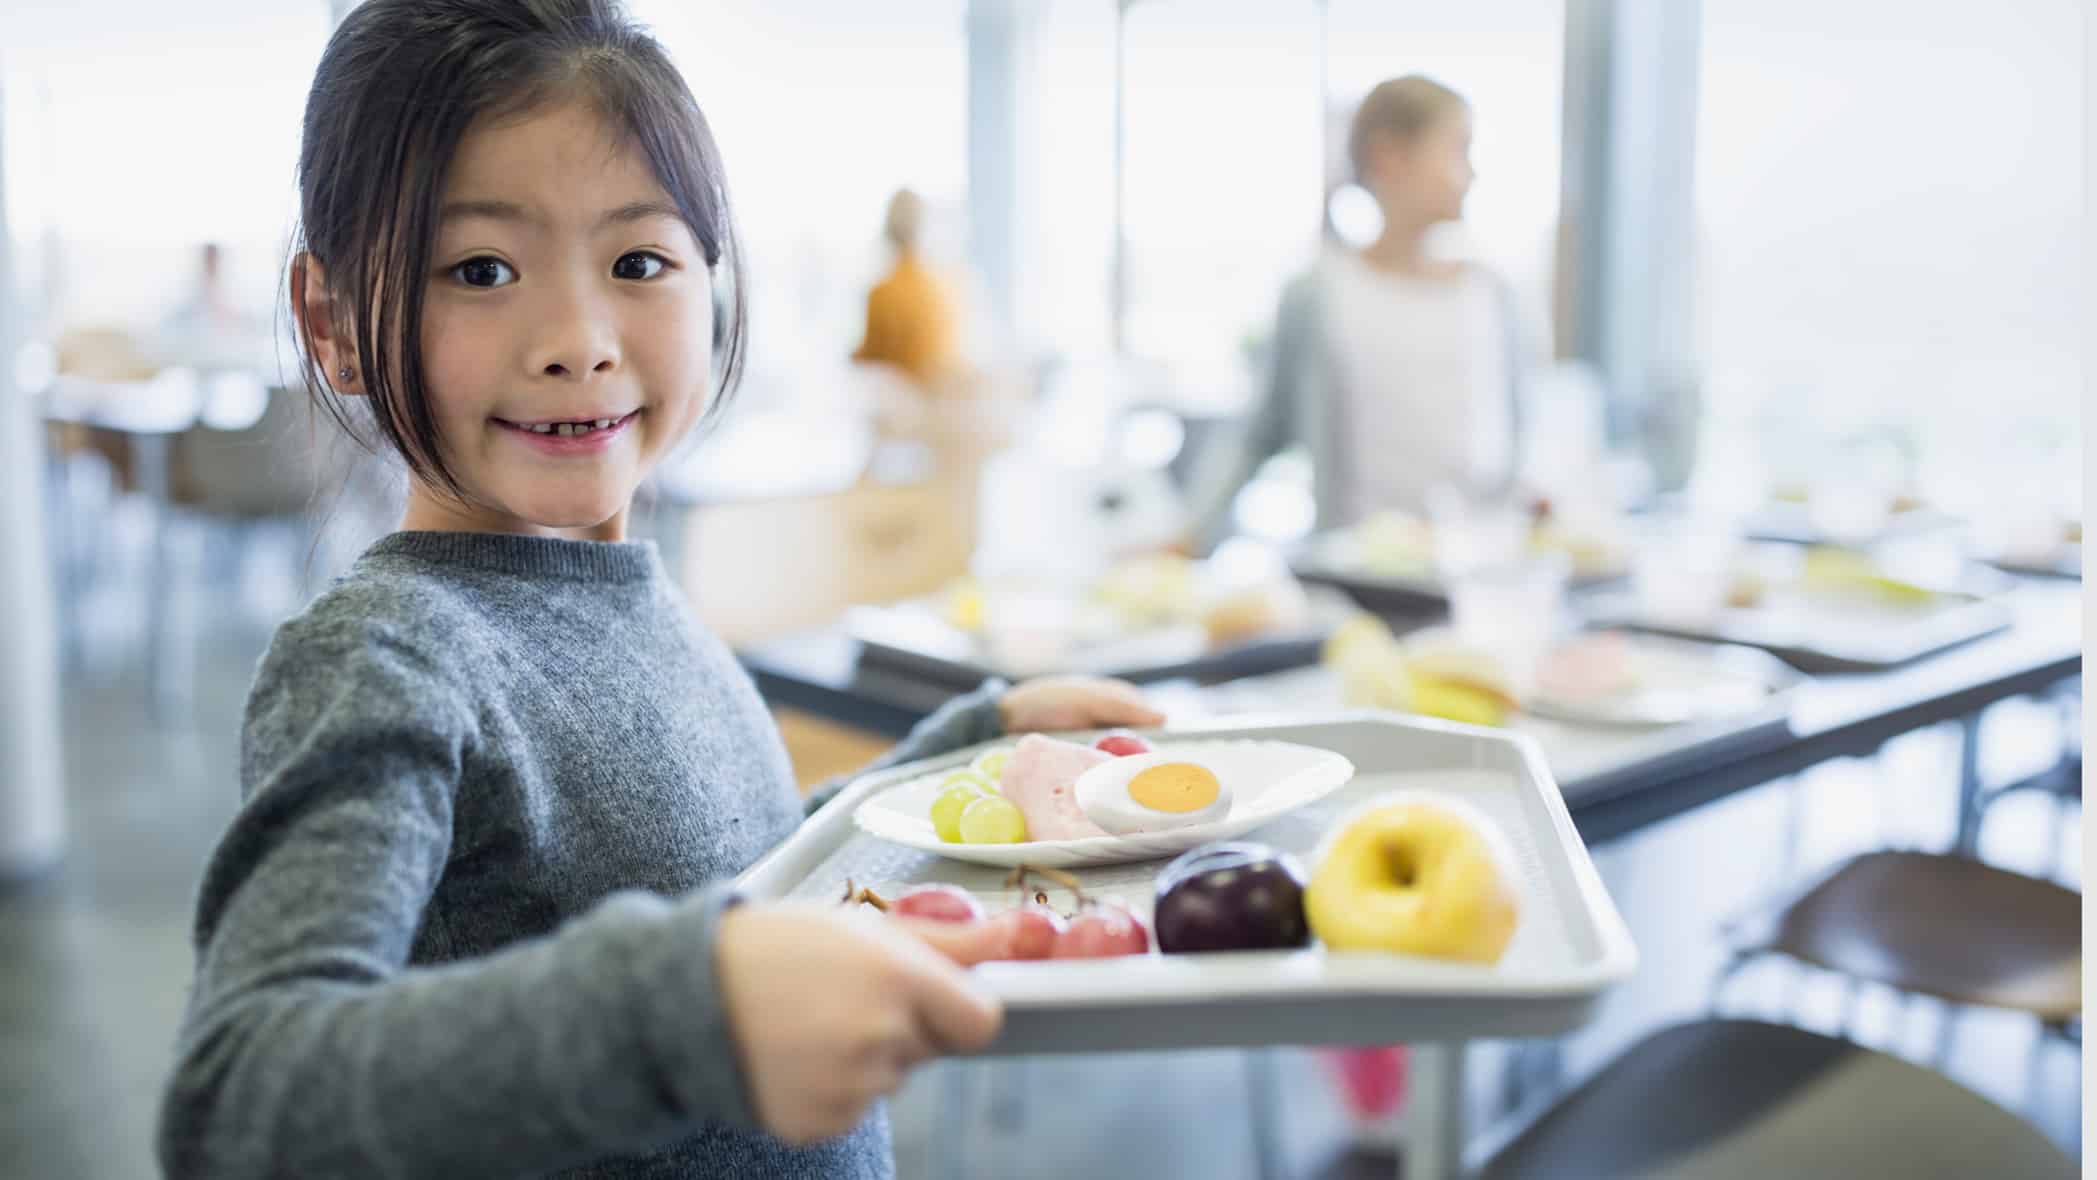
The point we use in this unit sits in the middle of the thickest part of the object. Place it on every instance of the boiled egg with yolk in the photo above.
(1152, 792)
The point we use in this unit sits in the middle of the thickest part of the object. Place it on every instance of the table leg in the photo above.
(65, 557)
(164, 693)
(948, 1161)
(1532, 1067)
(1967, 840)
(2070, 705)
(1264, 1096)
(1434, 1112)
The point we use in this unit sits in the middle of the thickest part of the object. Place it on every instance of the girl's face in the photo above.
(567, 330)
(1427, 177)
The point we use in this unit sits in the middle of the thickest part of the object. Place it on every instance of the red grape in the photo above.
(1036, 931)
(938, 903)
(1103, 932)
(1121, 745)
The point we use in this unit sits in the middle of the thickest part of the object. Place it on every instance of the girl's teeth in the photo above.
(570, 429)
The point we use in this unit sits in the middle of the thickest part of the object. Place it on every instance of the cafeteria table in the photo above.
(1830, 717)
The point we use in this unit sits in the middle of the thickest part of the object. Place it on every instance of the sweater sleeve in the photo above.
(956, 725)
(311, 1047)
(1230, 461)
(1517, 350)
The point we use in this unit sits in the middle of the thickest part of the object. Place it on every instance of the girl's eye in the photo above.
(638, 265)
(484, 272)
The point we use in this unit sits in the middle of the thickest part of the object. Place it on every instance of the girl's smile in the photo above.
(576, 436)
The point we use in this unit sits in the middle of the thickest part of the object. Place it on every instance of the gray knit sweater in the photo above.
(463, 922)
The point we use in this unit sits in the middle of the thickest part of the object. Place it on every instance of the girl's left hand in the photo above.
(1074, 702)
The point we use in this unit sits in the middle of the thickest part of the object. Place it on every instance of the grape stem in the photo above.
(1018, 879)
(854, 896)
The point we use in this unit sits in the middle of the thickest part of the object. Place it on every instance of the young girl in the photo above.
(472, 918)
(1395, 369)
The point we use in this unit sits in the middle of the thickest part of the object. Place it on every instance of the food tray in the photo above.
(1571, 944)
(1818, 640)
(1407, 594)
(1785, 523)
(2064, 562)
(1589, 762)
(910, 637)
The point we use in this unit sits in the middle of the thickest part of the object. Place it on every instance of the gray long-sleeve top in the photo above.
(1298, 405)
(463, 923)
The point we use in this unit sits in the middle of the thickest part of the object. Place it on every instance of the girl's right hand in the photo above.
(830, 1010)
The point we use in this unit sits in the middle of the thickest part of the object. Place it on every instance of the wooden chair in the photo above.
(1941, 925)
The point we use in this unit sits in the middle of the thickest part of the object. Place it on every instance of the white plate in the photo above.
(1267, 780)
(1675, 682)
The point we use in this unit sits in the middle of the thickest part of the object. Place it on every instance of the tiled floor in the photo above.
(94, 960)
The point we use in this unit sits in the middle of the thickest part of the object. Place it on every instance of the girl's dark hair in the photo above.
(398, 86)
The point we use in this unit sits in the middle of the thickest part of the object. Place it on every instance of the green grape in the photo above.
(991, 764)
(993, 820)
(966, 777)
(947, 809)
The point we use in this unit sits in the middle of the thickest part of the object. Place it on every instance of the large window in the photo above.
(1507, 58)
(1236, 111)
(131, 146)
(1075, 120)
(1889, 196)
(1223, 189)
(823, 109)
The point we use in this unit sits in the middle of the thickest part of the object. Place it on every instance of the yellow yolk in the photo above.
(1175, 787)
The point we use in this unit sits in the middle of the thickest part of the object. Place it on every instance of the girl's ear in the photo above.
(313, 308)
(1387, 155)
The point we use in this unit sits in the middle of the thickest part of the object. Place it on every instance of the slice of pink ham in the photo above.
(1040, 778)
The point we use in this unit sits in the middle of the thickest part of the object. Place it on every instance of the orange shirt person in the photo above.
(910, 320)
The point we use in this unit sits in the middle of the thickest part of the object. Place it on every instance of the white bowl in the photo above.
(1267, 780)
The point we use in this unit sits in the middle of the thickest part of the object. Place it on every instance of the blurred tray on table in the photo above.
(1819, 630)
(922, 637)
(1388, 565)
(1791, 522)
(1592, 751)
(2036, 549)
(2064, 563)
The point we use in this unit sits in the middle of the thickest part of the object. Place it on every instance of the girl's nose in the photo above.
(562, 369)
(578, 339)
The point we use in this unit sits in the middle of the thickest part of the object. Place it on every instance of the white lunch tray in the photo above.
(1570, 946)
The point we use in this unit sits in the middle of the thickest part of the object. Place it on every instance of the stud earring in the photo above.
(345, 374)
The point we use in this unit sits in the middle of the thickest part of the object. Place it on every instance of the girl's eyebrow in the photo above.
(511, 211)
(639, 211)
(493, 210)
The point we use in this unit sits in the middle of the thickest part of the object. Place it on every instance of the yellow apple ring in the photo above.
(1415, 877)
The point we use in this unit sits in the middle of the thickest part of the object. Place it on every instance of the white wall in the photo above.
(1890, 198)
